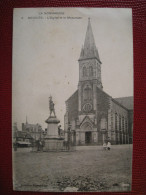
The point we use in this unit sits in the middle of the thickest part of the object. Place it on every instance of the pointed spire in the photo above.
(89, 50)
(26, 120)
(82, 52)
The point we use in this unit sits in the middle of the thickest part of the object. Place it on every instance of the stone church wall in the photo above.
(130, 126)
(118, 123)
(71, 108)
(103, 105)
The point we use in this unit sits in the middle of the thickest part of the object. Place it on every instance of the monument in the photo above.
(53, 142)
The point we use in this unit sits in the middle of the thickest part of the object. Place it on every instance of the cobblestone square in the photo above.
(89, 168)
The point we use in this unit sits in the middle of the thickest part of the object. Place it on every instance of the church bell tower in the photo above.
(89, 74)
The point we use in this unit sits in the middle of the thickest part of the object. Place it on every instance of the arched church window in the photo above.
(87, 93)
(116, 121)
(123, 129)
(90, 71)
(84, 72)
(119, 122)
(112, 121)
(103, 124)
(126, 126)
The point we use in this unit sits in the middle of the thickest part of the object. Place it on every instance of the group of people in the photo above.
(107, 146)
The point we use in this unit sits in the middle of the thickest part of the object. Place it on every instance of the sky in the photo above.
(46, 47)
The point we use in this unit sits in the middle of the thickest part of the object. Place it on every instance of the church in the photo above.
(93, 115)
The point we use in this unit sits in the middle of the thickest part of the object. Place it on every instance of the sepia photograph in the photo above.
(72, 99)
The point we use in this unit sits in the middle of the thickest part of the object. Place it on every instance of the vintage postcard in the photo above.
(72, 100)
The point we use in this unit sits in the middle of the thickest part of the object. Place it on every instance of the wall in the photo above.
(71, 109)
(103, 100)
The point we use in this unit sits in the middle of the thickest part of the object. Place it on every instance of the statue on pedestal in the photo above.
(52, 141)
(51, 106)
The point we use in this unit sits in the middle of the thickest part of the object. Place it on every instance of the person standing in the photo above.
(108, 145)
(104, 146)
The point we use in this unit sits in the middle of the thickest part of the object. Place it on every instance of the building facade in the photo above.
(94, 115)
(35, 130)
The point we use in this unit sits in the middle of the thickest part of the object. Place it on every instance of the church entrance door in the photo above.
(88, 137)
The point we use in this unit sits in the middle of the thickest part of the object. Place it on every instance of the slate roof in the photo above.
(126, 102)
(89, 49)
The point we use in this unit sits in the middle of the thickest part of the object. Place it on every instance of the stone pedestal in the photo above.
(52, 141)
(53, 145)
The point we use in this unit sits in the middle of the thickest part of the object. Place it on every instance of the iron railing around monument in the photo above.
(66, 146)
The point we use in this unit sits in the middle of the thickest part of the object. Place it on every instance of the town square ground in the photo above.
(89, 168)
